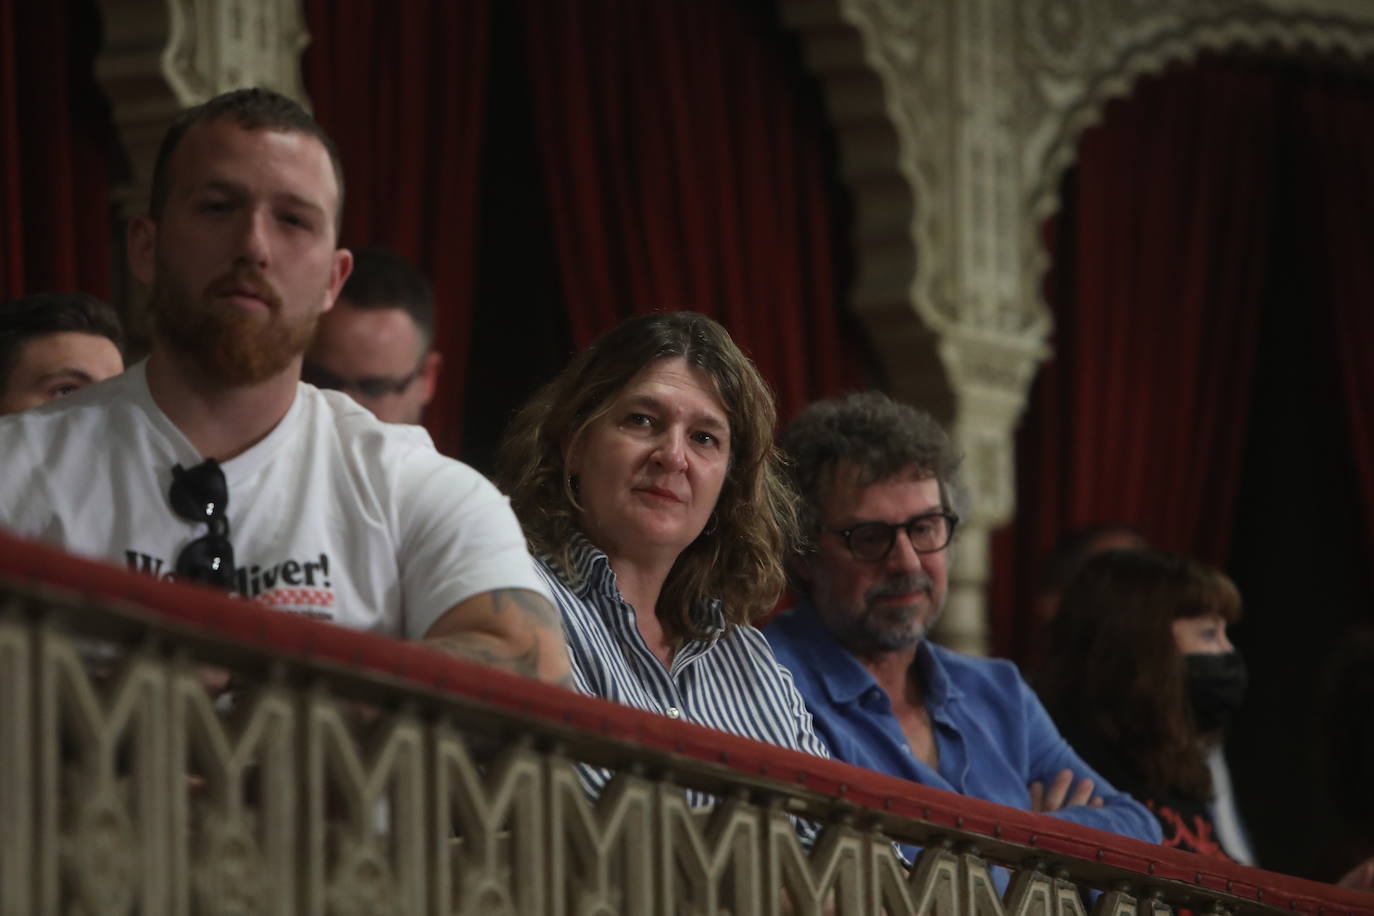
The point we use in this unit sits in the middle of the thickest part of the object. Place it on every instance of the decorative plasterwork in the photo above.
(860, 55)
(216, 46)
(1096, 52)
(163, 56)
(922, 95)
(956, 120)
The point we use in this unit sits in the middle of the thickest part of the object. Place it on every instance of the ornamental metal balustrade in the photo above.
(348, 774)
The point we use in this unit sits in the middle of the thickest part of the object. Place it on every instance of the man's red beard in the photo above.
(231, 346)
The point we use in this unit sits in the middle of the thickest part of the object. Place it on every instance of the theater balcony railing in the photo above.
(345, 774)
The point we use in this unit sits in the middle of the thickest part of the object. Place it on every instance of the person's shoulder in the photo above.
(54, 450)
(392, 464)
(83, 412)
(377, 445)
(353, 422)
(799, 647)
(782, 632)
(749, 639)
(977, 668)
(98, 396)
(751, 650)
(563, 594)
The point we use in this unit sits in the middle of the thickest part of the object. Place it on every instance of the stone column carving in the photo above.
(922, 93)
(956, 120)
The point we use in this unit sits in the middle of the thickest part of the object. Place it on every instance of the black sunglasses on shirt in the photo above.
(201, 494)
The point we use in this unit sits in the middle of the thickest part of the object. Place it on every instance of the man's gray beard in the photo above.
(864, 640)
(232, 348)
(866, 636)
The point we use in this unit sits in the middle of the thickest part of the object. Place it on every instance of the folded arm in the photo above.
(1066, 791)
(1083, 796)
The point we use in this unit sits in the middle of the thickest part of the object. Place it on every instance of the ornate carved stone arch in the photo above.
(922, 94)
(956, 120)
(863, 53)
(1291, 29)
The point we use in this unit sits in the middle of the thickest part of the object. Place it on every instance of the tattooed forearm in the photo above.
(514, 629)
(524, 601)
(468, 646)
(475, 648)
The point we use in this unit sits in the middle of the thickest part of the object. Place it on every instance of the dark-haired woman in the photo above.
(1141, 679)
(647, 482)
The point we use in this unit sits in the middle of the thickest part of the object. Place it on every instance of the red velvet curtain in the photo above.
(1160, 259)
(683, 173)
(55, 228)
(1338, 120)
(402, 87)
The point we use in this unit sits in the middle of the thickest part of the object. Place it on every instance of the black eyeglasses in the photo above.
(872, 541)
(369, 387)
(201, 494)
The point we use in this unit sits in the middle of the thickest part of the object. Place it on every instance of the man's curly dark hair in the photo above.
(879, 436)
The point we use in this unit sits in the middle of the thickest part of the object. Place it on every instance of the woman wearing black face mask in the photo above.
(1142, 679)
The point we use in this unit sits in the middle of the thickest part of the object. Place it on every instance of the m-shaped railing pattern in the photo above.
(341, 773)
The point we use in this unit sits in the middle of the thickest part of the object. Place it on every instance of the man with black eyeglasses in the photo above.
(211, 462)
(376, 343)
(876, 480)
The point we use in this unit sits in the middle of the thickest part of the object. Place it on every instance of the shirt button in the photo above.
(674, 712)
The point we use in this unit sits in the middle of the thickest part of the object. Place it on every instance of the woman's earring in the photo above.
(712, 525)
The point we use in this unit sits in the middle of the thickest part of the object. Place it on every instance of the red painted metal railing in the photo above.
(873, 798)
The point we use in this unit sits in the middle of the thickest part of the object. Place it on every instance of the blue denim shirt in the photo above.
(994, 736)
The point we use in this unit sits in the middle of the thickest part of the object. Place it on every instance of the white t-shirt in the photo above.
(334, 515)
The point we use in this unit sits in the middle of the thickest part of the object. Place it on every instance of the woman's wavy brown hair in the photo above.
(739, 558)
(1113, 668)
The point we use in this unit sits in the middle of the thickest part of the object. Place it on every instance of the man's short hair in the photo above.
(383, 279)
(879, 436)
(251, 109)
(41, 314)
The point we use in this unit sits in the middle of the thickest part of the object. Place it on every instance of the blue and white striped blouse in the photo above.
(729, 681)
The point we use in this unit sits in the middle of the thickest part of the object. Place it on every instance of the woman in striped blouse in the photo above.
(647, 482)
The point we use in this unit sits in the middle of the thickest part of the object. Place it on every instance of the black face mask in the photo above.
(1216, 687)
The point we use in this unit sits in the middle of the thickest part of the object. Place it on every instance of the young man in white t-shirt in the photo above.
(211, 461)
